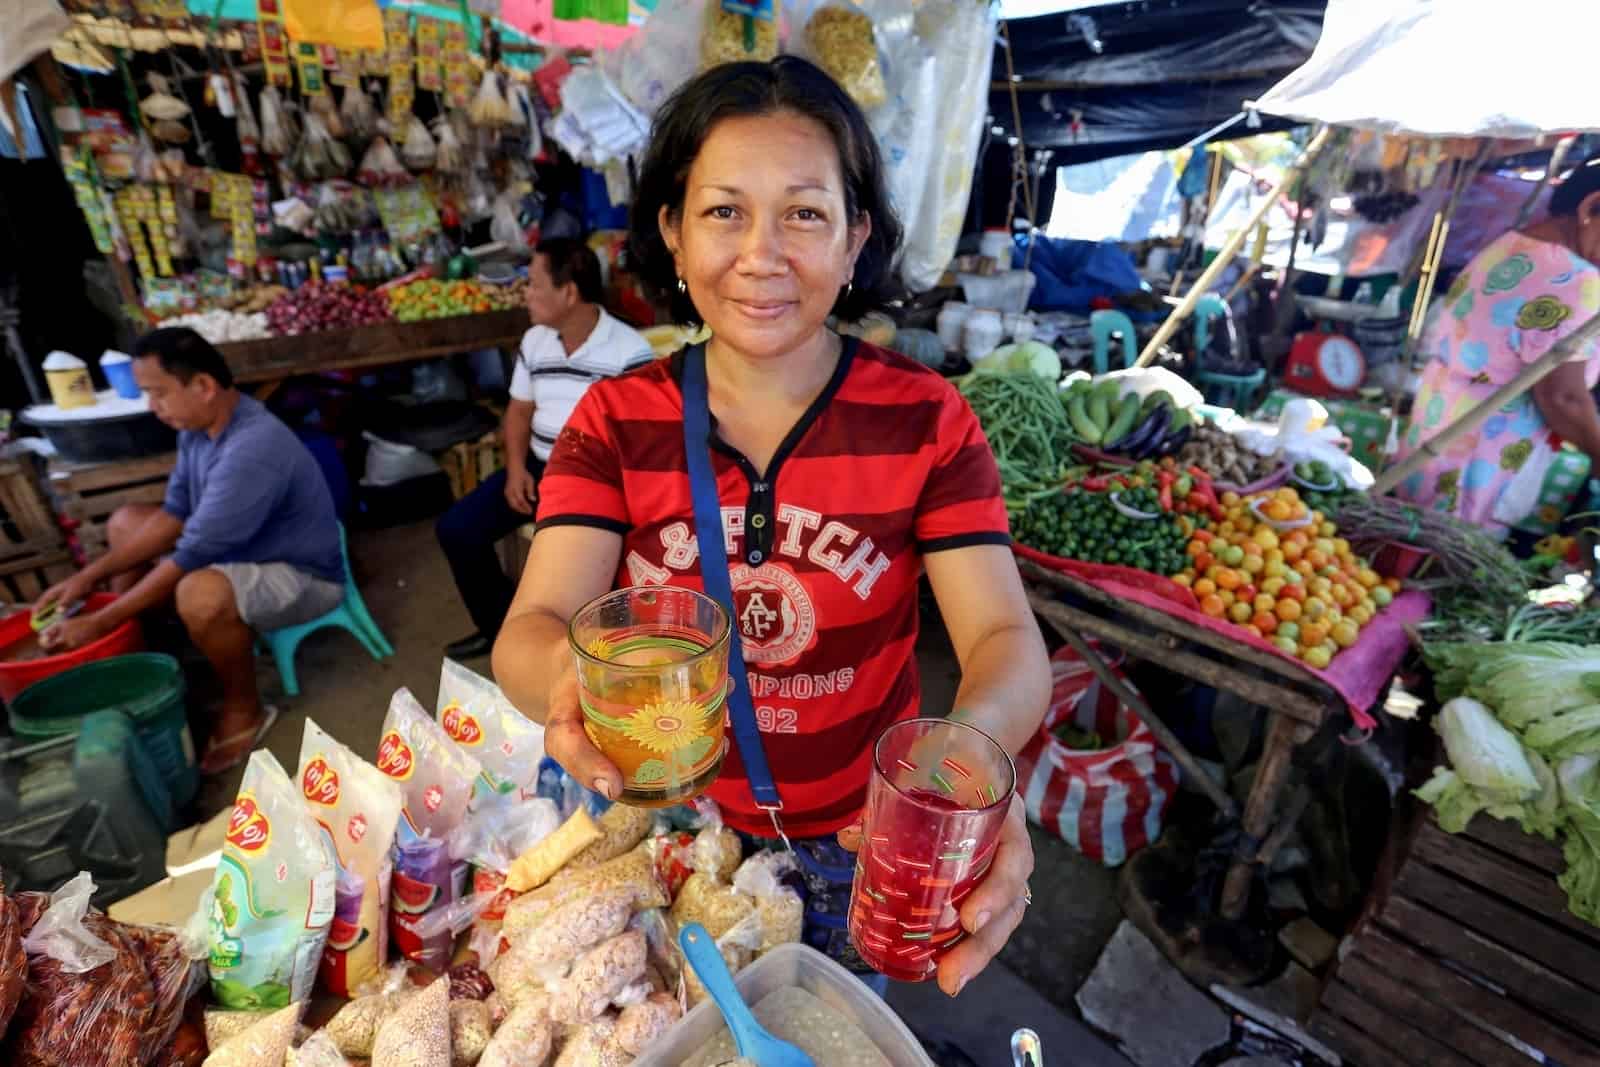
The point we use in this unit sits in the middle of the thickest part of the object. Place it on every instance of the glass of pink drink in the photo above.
(937, 799)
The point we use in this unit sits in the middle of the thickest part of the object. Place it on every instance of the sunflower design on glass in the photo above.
(1507, 274)
(666, 727)
(600, 649)
(1542, 313)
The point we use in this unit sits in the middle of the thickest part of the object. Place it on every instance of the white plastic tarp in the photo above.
(1449, 68)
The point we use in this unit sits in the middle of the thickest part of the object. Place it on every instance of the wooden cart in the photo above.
(273, 359)
(1298, 703)
(1465, 951)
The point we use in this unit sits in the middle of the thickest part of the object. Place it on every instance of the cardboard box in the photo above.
(192, 857)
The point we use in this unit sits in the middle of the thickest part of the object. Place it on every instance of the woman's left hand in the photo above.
(993, 910)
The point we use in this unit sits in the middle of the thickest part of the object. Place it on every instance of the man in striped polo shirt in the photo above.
(573, 344)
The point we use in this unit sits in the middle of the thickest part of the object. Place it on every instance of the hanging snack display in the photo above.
(308, 64)
(79, 166)
(429, 53)
(489, 107)
(841, 40)
(346, 70)
(402, 93)
(274, 42)
(739, 30)
(457, 66)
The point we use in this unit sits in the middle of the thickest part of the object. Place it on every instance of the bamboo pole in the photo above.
(1530, 376)
(1203, 283)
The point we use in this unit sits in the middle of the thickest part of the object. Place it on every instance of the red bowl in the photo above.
(17, 676)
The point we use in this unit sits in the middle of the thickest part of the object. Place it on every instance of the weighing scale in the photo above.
(1322, 363)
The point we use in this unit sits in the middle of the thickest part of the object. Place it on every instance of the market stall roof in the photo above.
(1440, 68)
(1137, 76)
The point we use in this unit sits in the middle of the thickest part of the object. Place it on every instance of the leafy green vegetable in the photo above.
(1580, 800)
(1569, 733)
(1527, 682)
(1485, 754)
(1029, 357)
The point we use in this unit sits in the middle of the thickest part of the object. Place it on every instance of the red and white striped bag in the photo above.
(1106, 803)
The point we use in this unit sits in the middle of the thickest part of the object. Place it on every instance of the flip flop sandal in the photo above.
(269, 717)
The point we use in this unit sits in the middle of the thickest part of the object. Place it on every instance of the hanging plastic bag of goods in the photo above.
(931, 126)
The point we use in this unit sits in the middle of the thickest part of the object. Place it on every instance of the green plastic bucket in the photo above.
(146, 687)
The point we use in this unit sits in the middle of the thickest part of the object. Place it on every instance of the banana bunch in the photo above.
(1126, 425)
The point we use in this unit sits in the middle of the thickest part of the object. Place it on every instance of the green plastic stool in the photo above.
(351, 615)
(1206, 308)
(1234, 391)
(1102, 324)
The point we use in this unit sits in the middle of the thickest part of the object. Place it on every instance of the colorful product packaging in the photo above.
(477, 716)
(358, 809)
(436, 778)
(272, 898)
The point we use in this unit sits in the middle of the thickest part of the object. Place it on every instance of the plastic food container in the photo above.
(17, 675)
(805, 967)
(1007, 292)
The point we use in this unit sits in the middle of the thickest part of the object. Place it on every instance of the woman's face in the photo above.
(762, 241)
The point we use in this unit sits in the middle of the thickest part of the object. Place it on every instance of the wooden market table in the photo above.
(1297, 702)
(272, 359)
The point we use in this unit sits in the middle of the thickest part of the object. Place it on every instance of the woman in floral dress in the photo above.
(1514, 301)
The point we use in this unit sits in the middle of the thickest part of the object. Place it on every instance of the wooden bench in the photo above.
(1466, 948)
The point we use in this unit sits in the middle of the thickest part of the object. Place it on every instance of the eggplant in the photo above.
(1174, 441)
(1153, 426)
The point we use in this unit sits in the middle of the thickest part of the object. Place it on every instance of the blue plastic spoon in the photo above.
(754, 1042)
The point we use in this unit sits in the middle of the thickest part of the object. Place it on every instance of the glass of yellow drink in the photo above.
(653, 680)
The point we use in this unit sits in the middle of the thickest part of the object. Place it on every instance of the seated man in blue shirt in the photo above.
(247, 538)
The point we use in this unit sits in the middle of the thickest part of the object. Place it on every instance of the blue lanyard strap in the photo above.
(714, 574)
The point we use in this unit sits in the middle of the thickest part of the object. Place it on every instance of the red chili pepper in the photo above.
(1097, 484)
(1165, 479)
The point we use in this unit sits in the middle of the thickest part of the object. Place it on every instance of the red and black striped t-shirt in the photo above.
(824, 551)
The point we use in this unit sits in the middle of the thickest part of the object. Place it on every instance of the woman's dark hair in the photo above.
(570, 261)
(737, 90)
(1576, 187)
(183, 353)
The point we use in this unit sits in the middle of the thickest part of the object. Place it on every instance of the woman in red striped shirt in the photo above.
(843, 473)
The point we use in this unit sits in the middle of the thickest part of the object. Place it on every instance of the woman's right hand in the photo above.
(567, 742)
